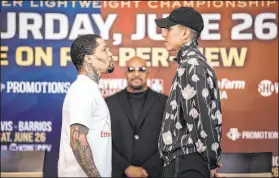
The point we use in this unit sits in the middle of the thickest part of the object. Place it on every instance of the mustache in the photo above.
(136, 78)
(111, 65)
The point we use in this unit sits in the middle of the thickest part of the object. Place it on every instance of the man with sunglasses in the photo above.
(85, 145)
(190, 135)
(136, 115)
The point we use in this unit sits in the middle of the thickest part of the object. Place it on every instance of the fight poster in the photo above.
(240, 39)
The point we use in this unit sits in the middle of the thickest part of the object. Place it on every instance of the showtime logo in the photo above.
(234, 134)
(275, 161)
(266, 88)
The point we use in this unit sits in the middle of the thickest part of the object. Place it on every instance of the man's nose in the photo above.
(136, 73)
(164, 32)
(110, 54)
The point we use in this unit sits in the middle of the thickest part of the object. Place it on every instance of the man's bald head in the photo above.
(136, 75)
(136, 60)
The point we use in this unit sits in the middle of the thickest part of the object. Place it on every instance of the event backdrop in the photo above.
(240, 39)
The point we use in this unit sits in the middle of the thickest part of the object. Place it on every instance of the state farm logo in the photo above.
(266, 88)
(233, 134)
(225, 84)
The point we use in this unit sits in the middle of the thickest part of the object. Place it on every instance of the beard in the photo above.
(92, 72)
(110, 68)
(140, 87)
(137, 87)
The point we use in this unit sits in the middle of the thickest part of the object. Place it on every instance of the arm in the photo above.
(152, 160)
(125, 166)
(80, 119)
(82, 150)
(202, 111)
(118, 160)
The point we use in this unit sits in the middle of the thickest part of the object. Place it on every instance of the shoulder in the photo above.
(84, 84)
(162, 96)
(198, 65)
(114, 97)
(84, 92)
(159, 95)
(194, 57)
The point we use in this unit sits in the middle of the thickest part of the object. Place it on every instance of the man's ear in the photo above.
(88, 58)
(126, 74)
(147, 71)
(185, 32)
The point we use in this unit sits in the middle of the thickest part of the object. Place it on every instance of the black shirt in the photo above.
(137, 102)
(192, 119)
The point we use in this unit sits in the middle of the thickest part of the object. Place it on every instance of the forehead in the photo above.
(136, 62)
(174, 28)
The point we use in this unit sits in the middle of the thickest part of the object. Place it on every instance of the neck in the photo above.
(130, 90)
(186, 42)
(92, 75)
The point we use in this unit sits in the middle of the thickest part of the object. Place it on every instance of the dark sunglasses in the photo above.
(140, 69)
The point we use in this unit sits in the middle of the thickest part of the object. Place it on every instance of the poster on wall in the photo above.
(240, 40)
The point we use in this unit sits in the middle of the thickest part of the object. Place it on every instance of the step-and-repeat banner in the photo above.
(240, 39)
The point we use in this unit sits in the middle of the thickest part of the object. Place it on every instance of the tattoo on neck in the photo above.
(94, 76)
(91, 72)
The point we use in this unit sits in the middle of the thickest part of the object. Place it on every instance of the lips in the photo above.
(111, 64)
(137, 80)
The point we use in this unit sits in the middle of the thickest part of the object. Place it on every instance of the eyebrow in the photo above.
(137, 66)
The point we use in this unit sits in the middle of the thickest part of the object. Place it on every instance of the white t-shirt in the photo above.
(85, 105)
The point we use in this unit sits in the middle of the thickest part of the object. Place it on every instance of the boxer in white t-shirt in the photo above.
(85, 145)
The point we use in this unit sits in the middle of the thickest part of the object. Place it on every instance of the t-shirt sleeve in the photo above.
(80, 109)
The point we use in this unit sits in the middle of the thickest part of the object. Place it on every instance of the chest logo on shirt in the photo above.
(106, 132)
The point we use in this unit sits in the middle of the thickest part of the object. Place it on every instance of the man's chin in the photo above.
(110, 70)
(139, 87)
(168, 48)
